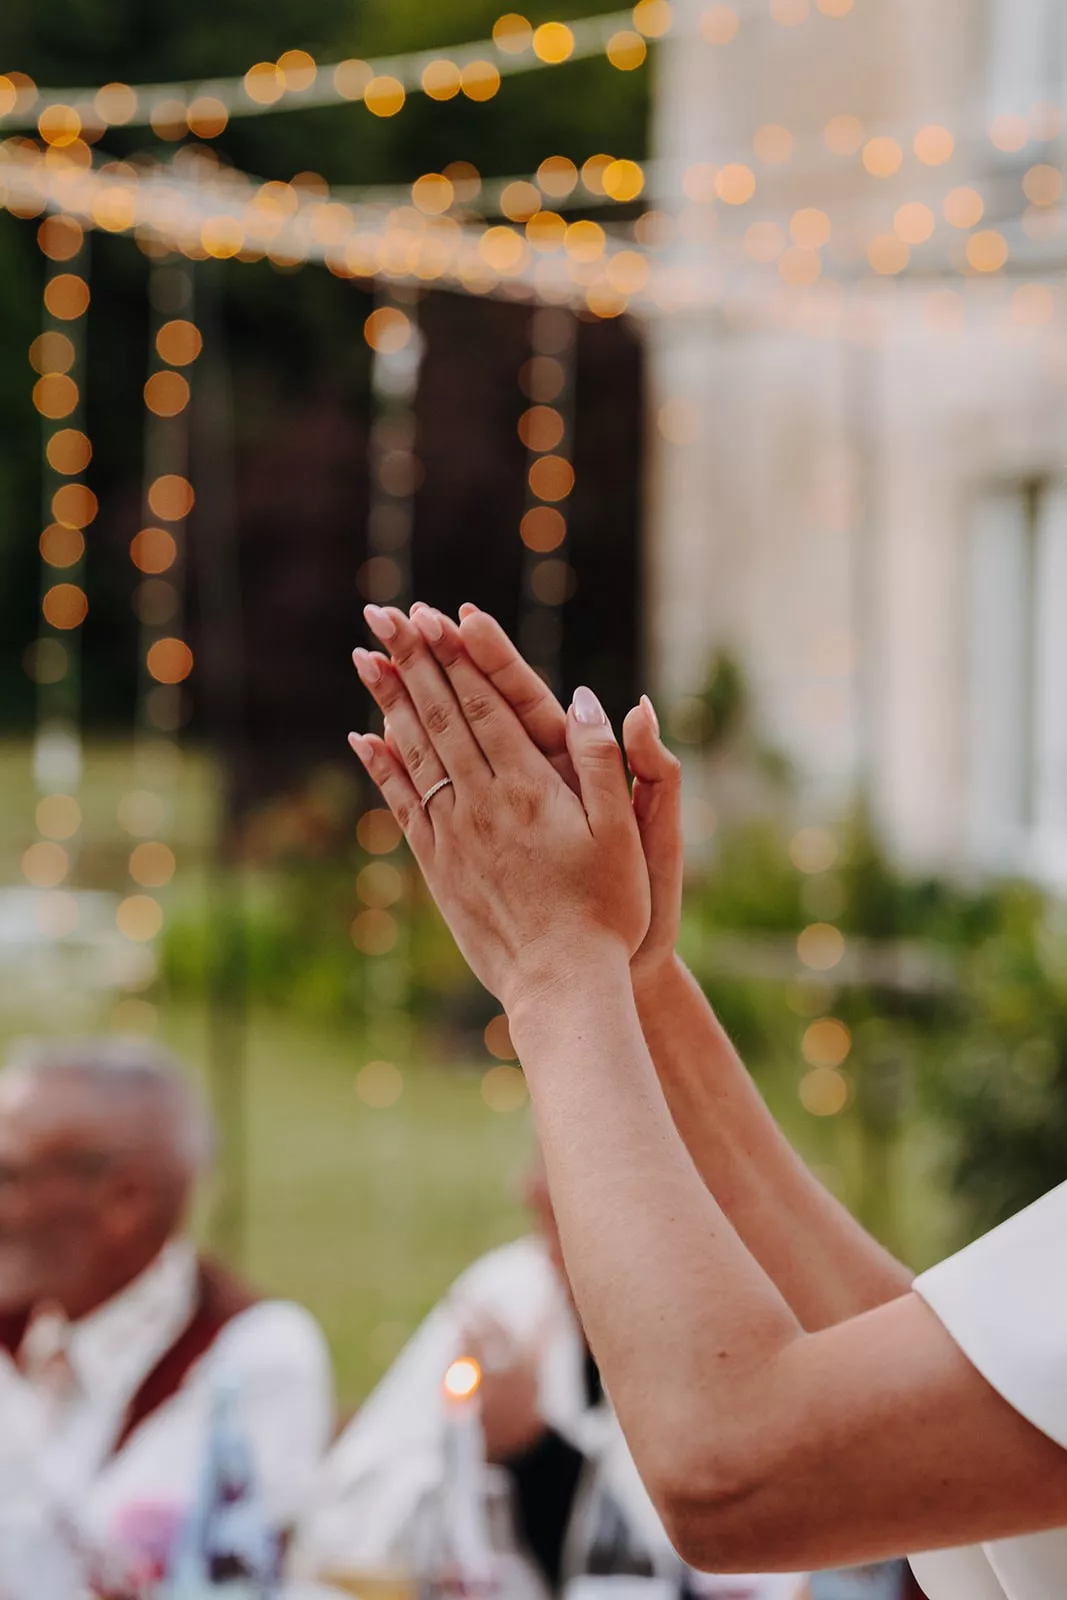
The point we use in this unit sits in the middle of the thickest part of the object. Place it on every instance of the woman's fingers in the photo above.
(397, 791)
(410, 739)
(431, 694)
(657, 773)
(598, 762)
(501, 736)
(657, 800)
(529, 697)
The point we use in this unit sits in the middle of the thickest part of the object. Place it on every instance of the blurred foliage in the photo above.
(955, 995)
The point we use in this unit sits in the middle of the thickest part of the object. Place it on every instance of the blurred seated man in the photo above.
(579, 1505)
(112, 1329)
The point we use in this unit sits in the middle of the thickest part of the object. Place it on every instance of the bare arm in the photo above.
(824, 1263)
(760, 1443)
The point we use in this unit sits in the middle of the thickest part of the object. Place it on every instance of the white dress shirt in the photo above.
(1004, 1301)
(63, 1406)
(392, 1455)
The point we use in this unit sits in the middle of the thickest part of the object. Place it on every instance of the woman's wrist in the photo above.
(573, 977)
(656, 982)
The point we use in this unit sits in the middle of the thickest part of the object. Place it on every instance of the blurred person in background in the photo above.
(577, 1502)
(113, 1330)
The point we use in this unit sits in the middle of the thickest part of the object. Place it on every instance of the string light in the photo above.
(54, 661)
(296, 80)
(547, 383)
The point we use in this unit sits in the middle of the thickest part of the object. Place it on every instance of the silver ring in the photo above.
(442, 783)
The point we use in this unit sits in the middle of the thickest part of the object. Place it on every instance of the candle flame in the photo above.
(463, 1378)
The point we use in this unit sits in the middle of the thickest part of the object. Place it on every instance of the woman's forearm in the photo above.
(824, 1263)
(674, 1305)
(759, 1442)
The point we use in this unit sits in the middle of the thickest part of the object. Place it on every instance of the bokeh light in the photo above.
(821, 946)
(60, 546)
(152, 864)
(179, 342)
(824, 1092)
(166, 393)
(169, 661)
(813, 850)
(719, 24)
(380, 885)
(551, 478)
(139, 918)
(553, 42)
(153, 550)
(65, 606)
(374, 932)
(58, 816)
(171, 497)
(504, 1089)
(378, 832)
(387, 330)
(512, 34)
(60, 238)
(379, 1084)
(45, 864)
(69, 451)
(826, 1043)
(498, 1039)
(543, 529)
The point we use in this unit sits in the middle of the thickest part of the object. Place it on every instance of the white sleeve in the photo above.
(1004, 1301)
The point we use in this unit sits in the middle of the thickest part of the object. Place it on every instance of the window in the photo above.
(1018, 680)
(1026, 41)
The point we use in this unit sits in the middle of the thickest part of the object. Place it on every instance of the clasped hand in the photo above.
(533, 850)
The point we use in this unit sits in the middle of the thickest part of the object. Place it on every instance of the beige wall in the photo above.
(819, 520)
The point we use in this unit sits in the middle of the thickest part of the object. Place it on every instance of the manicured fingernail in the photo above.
(368, 667)
(360, 747)
(379, 622)
(651, 711)
(429, 624)
(587, 707)
(468, 609)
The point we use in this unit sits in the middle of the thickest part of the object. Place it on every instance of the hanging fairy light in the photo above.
(546, 429)
(57, 357)
(157, 552)
(380, 929)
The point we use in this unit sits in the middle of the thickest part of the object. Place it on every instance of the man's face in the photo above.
(53, 1212)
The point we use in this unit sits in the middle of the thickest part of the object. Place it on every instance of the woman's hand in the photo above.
(533, 879)
(657, 774)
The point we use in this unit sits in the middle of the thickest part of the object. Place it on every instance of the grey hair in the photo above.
(123, 1071)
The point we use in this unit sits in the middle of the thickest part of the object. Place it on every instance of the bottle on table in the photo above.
(455, 1555)
(227, 1549)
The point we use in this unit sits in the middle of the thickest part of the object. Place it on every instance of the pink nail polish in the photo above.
(380, 622)
(651, 710)
(587, 708)
(368, 667)
(429, 624)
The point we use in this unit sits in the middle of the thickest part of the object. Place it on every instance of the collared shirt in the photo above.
(63, 1405)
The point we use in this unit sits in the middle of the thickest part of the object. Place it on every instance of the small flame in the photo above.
(463, 1378)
